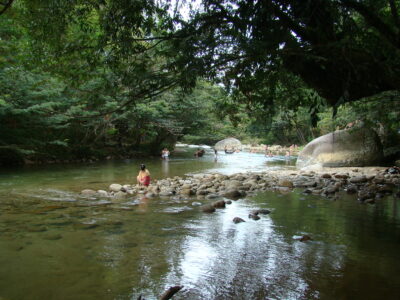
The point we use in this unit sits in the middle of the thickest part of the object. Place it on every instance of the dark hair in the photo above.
(142, 167)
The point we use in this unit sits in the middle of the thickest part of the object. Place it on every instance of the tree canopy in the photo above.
(100, 77)
(343, 49)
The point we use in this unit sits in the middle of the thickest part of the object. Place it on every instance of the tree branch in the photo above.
(143, 95)
(373, 20)
(7, 5)
(395, 15)
(299, 30)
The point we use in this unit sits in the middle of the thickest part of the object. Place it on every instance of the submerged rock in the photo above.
(52, 237)
(120, 195)
(351, 189)
(88, 192)
(85, 226)
(165, 194)
(262, 211)
(285, 183)
(370, 201)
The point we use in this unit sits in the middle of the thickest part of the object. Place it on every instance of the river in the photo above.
(55, 244)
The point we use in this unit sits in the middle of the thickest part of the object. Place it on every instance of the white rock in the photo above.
(115, 187)
(102, 193)
(88, 192)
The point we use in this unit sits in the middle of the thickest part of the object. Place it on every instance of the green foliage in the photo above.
(83, 79)
(344, 50)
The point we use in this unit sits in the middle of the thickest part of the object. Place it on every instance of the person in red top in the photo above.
(143, 177)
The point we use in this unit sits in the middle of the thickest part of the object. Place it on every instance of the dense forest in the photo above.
(87, 80)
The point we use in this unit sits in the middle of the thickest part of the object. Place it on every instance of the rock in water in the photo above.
(229, 143)
(232, 194)
(102, 193)
(302, 238)
(262, 211)
(254, 217)
(88, 192)
(120, 195)
(115, 187)
(208, 209)
(237, 220)
(343, 148)
(358, 179)
(218, 204)
(285, 183)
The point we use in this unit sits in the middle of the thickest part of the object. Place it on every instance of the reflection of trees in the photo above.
(222, 260)
(352, 241)
(216, 259)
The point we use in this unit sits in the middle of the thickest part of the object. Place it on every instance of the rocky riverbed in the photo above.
(213, 191)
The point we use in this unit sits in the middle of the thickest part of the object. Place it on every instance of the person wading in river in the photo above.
(143, 177)
(165, 154)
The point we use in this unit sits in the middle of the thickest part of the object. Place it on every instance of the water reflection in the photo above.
(143, 202)
(165, 167)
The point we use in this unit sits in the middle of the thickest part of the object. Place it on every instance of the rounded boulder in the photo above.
(229, 143)
(343, 148)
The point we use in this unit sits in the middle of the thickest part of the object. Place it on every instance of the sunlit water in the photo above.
(55, 244)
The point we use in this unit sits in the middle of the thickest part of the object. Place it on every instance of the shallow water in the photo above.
(56, 245)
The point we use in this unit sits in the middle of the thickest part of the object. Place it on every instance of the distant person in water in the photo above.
(165, 154)
(143, 177)
(287, 154)
(199, 152)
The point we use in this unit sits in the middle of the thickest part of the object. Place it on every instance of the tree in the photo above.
(345, 50)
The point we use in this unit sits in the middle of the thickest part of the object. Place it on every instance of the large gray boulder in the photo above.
(229, 143)
(355, 147)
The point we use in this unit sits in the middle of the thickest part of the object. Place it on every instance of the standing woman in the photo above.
(143, 177)
(165, 154)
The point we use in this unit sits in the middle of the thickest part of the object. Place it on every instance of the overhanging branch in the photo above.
(6, 5)
(373, 20)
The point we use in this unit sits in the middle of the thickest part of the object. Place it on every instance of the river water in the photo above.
(55, 244)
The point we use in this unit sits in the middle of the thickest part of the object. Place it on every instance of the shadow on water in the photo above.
(55, 244)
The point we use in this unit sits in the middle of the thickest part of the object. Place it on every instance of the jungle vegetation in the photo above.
(87, 79)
